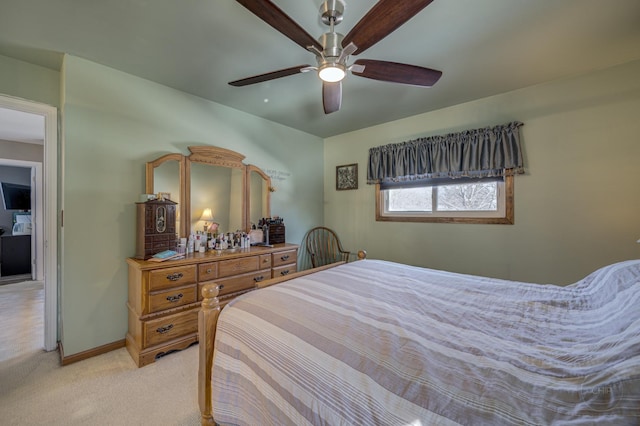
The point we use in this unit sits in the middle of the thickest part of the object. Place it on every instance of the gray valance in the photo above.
(483, 152)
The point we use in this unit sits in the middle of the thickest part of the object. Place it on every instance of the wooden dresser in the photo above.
(164, 297)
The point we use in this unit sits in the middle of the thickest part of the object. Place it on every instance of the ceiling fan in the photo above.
(333, 50)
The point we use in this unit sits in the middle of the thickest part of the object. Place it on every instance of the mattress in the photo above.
(380, 343)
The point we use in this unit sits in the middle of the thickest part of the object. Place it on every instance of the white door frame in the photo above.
(49, 226)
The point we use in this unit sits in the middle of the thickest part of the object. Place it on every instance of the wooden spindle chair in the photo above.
(324, 247)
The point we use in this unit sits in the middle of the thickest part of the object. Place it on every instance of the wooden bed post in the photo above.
(207, 320)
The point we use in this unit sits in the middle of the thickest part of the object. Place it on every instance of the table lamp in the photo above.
(206, 217)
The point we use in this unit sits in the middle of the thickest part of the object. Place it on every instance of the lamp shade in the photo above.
(207, 216)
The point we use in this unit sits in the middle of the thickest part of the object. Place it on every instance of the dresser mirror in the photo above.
(259, 191)
(220, 189)
(166, 175)
(211, 178)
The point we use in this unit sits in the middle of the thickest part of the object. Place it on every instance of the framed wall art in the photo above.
(347, 177)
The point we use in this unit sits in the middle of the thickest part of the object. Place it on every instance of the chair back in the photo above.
(324, 247)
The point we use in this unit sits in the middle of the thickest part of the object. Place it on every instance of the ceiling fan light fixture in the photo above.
(333, 50)
(331, 72)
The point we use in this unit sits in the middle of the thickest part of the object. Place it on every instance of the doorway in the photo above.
(29, 173)
(44, 237)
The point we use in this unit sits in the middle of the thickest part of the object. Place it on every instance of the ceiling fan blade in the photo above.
(331, 96)
(383, 18)
(270, 76)
(396, 73)
(274, 16)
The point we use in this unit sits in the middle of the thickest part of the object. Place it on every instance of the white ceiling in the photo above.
(482, 47)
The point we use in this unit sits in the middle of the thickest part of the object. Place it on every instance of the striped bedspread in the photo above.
(380, 343)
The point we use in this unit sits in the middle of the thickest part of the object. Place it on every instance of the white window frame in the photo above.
(503, 215)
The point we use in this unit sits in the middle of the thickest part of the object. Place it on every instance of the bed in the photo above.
(374, 342)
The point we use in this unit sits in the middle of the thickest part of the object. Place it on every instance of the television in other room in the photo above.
(16, 196)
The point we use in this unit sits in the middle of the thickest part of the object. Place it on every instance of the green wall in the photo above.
(28, 81)
(577, 208)
(113, 124)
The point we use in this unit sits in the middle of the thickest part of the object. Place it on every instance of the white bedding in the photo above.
(380, 343)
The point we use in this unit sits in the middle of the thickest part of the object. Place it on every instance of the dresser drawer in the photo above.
(284, 258)
(241, 282)
(172, 298)
(172, 277)
(158, 243)
(265, 261)
(281, 271)
(227, 268)
(207, 271)
(170, 327)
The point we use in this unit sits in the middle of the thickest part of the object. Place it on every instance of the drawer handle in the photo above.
(209, 271)
(174, 299)
(164, 329)
(285, 272)
(221, 286)
(285, 257)
(258, 279)
(175, 277)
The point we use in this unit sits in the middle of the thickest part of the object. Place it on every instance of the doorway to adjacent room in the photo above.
(44, 210)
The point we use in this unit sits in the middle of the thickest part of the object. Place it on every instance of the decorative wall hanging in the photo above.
(347, 177)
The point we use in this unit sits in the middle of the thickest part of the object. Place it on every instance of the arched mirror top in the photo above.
(258, 170)
(216, 156)
(153, 165)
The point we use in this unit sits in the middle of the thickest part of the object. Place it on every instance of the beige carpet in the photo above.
(105, 390)
(21, 319)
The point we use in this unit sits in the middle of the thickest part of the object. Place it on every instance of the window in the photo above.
(463, 200)
(464, 177)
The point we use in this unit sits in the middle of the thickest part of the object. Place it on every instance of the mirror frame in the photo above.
(220, 157)
(214, 156)
(270, 189)
(149, 182)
